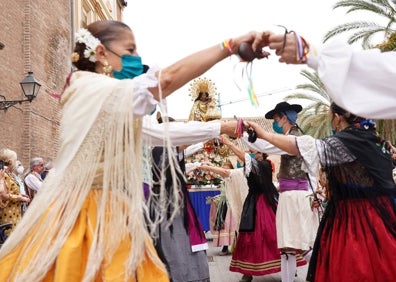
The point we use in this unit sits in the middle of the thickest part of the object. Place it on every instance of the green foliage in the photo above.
(364, 30)
(314, 118)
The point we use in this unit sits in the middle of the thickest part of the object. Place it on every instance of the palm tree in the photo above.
(365, 30)
(388, 45)
(314, 118)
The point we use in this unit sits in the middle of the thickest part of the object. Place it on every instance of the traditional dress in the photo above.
(180, 242)
(356, 239)
(204, 111)
(256, 252)
(181, 246)
(222, 222)
(296, 222)
(88, 221)
(198, 110)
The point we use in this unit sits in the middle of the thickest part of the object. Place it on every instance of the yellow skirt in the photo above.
(71, 261)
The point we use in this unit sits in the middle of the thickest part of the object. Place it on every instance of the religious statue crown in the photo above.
(202, 84)
(206, 110)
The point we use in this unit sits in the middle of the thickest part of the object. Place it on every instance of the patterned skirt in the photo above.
(223, 233)
(256, 253)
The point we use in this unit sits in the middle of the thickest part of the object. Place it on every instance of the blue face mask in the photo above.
(131, 67)
(277, 128)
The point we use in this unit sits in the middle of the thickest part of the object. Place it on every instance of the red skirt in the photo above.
(256, 253)
(356, 245)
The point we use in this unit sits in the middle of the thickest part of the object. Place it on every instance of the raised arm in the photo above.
(283, 142)
(237, 151)
(194, 65)
(223, 172)
(365, 91)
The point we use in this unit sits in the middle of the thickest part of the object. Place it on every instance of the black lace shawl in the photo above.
(357, 167)
(259, 182)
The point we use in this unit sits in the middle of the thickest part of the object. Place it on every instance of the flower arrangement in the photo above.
(91, 42)
(209, 154)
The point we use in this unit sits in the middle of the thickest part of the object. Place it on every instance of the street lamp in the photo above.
(30, 87)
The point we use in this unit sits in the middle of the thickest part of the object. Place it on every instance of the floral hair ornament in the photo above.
(367, 124)
(91, 42)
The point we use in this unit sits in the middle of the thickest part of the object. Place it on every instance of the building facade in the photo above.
(37, 36)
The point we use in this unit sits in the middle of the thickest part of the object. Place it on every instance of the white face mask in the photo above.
(20, 169)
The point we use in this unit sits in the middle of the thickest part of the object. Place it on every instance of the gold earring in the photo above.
(75, 57)
(107, 68)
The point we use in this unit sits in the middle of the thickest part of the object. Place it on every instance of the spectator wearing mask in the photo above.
(10, 208)
(18, 172)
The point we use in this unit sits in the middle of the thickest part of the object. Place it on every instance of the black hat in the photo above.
(281, 108)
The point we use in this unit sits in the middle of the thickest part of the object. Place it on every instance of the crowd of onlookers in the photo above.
(18, 187)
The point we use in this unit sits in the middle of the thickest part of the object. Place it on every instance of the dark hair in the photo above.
(200, 94)
(348, 116)
(106, 31)
(265, 156)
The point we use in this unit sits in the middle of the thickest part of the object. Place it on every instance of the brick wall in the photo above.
(37, 37)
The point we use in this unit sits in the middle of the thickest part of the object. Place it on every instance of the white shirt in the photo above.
(360, 81)
(180, 133)
(33, 181)
(263, 146)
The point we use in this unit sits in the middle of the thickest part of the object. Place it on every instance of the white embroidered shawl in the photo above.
(99, 132)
